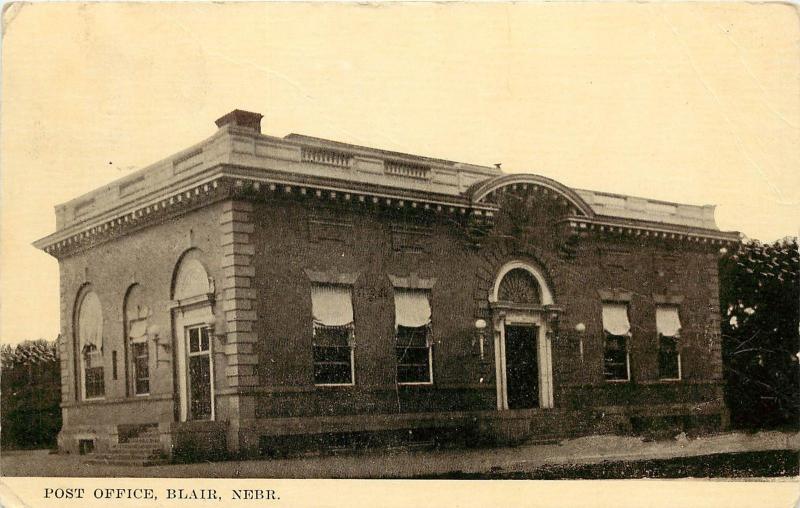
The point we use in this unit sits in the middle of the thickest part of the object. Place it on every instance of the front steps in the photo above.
(144, 449)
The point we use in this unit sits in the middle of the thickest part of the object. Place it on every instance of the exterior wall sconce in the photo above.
(480, 326)
(580, 328)
(154, 332)
(212, 290)
(217, 328)
(553, 316)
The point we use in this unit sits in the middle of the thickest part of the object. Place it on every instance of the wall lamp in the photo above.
(217, 328)
(154, 332)
(580, 328)
(480, 326)
(553, 316)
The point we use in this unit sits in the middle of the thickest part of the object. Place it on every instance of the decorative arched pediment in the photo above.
(519, 286)
(485, 190)
(191, 278)
(521, 282)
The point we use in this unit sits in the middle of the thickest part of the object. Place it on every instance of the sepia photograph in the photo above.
(399, 241)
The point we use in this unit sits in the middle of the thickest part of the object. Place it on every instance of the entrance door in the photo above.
(201, 403)
(522, 366)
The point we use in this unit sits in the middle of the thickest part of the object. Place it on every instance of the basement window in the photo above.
(85, 446)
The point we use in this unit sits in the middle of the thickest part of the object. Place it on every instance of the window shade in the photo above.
(615, 319)
(331, 305)
(90, 321)
(411, 308)
(668, 323)
(138, 329)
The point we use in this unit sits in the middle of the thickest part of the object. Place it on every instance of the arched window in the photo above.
(191, 280)
(89, 326)
(519, 286)
(136, 316)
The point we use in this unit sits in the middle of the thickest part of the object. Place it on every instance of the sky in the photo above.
(692, 102)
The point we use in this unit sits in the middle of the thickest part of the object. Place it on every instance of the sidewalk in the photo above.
(380, 464)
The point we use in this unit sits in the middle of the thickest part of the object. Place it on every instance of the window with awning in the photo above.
(668, 325)
(136, 317)
(413, 336)
(139, 356)
(412, 308)
(90, 339)
(331, 305)
(617, 327)
(137, 329)
(333, 333)
(615, 319)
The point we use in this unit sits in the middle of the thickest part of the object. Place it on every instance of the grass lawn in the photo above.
(728, 465)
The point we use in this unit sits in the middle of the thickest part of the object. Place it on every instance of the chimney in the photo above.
(241, 118)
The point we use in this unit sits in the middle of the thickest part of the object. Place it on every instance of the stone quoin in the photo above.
(253, 290)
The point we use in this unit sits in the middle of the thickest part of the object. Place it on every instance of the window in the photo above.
(85, 446)
(668, 325)
(333, 334)
(200, 388)
(136, 320)
(140, 357)
(89, 325)
(94, 384)
(616, 359)
(141, 368)
(413, 336)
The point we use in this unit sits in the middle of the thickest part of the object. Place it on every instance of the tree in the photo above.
(760, 307)
(31, 393)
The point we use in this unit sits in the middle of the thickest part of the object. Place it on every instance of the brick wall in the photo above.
(258, 252)
(147, 257)
(287, 243)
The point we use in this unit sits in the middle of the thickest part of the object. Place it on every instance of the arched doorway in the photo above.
(520, 301)
(192, 299)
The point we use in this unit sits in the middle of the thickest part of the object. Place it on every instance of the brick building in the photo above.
(251, 288)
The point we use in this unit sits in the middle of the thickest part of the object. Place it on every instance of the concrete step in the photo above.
(146, 434)
(135, 446)
(145, 440)
(143, 449)
(141, 455)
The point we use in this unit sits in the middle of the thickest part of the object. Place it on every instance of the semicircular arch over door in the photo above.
(192, 315)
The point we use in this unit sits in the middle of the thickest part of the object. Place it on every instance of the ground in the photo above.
(763, 454)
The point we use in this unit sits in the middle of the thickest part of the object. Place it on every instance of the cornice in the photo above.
(604, 225)
(233, 182)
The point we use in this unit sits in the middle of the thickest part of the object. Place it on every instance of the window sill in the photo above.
(420, 383)
(334, 385)
(617, 381)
